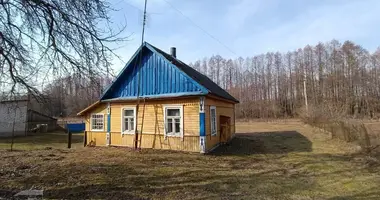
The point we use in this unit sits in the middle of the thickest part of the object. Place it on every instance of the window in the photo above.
(213, 120)
(128, 120)
(173, 121)
(97, 122)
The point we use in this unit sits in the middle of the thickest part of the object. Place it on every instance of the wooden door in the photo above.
(225, 128)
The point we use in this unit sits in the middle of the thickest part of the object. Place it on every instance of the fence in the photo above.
(72, 124)
(355, 131)
(37, 120)
(76, 127)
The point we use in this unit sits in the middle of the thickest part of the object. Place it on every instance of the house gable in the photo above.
(158, 77)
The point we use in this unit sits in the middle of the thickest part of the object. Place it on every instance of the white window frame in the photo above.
(180, 107)
(122, 120)
(104, 123)
(213, 132)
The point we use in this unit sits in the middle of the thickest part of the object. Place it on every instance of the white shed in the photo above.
(13, 112)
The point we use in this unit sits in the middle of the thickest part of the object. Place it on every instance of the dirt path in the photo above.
(265, 161)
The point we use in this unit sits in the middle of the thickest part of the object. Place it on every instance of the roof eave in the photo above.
(81, 113)
(157, 97)
(235, 101)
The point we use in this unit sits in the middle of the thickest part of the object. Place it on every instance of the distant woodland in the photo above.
(345, 77)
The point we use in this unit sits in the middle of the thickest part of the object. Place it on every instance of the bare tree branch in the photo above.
(66, 36)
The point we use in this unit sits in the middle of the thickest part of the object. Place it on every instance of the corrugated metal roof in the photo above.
(158, 77)
(197, 76)
(161, 74)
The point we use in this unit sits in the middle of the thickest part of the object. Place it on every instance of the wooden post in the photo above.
(13, 134)
(69, 139)
(69, 134)
(85, 139)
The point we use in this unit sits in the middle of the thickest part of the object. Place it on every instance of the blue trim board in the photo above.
(158, 96)
(202, 128)
(108, 123)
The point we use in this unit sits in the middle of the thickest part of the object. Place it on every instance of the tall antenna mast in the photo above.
(144, 23)
(136, 140)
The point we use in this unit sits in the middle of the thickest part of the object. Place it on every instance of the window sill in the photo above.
(128, 133)
(97, 130)
(173, 136)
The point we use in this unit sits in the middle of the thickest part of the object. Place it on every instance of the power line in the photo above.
(191, 21)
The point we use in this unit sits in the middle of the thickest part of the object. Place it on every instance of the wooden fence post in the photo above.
(85, 139)
(13, 134)
(69, 139)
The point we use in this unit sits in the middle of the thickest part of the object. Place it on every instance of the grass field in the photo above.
(277, 160)
(39, 141)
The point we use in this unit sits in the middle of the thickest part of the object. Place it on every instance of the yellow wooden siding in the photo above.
(96, 137)
(222, 108)
(153, 125)
(156, 141)
(102, 108)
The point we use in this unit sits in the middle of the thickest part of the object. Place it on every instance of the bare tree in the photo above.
(45, 36)
(332, 75)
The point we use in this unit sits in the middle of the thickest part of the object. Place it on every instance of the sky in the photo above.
(233, 28)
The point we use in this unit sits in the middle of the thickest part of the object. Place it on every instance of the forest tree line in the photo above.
(272, 85)
(68, 95)
(275, 85)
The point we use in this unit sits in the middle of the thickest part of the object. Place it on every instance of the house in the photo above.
(18, 117)
(179, 108)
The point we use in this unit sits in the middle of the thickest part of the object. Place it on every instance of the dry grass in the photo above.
(283, 160)
(37, 141)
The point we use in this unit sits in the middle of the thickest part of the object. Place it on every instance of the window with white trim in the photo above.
(173, 121)
(97, 122)
(128, 120)
(213, 120)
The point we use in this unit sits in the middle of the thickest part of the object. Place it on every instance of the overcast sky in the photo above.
(246, 27)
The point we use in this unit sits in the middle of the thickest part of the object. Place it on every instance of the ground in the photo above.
(279, 160)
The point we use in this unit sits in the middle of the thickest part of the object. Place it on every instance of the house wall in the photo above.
(153, 125)
(222, 108)
(13, 111)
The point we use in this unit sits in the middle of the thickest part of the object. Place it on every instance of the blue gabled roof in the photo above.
(161, 75)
